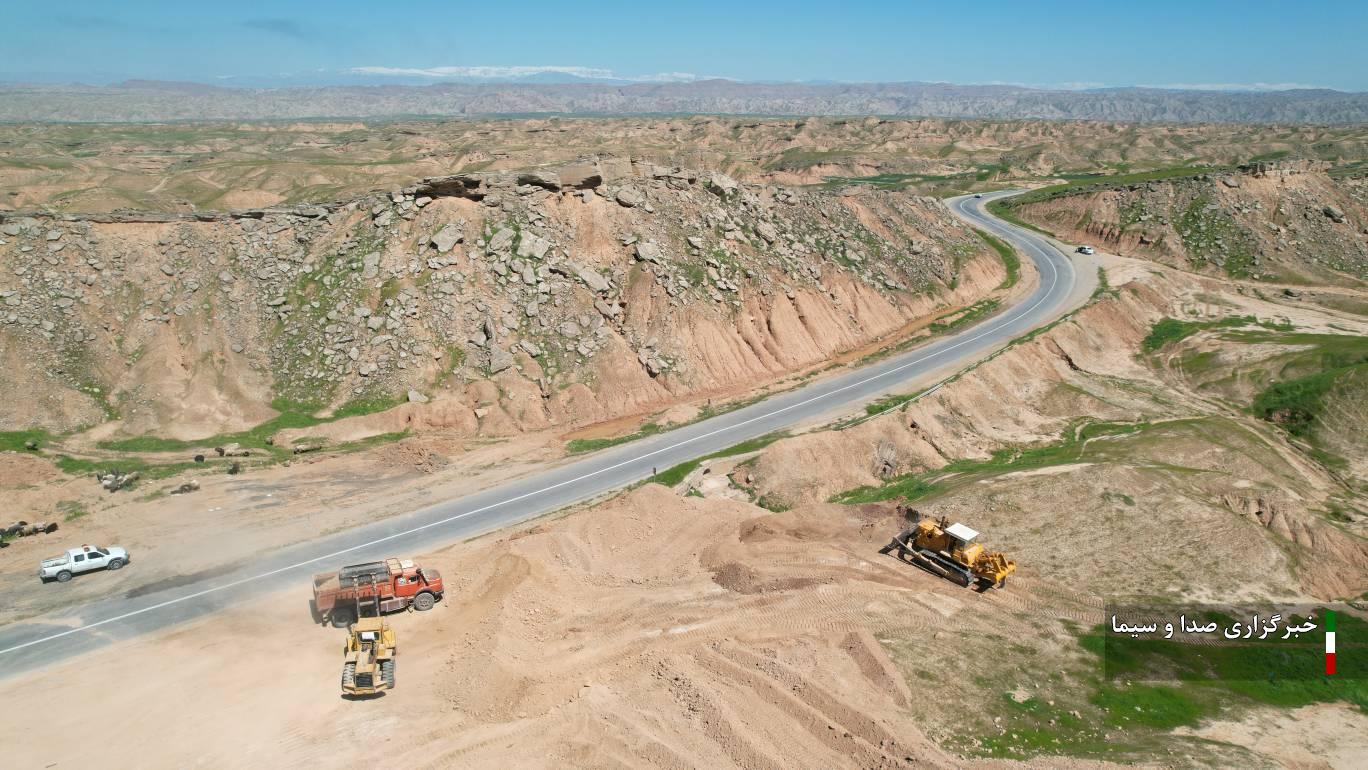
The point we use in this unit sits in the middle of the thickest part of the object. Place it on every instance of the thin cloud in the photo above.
(1073, 85)
(287, 27)
(1231, 86)
(494, 72)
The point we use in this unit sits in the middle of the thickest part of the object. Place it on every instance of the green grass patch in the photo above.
(72, 510)
(1010, 260)
(674, 475)
(14, 440)
(888, 403)
(1069, 449)
(1167, 331)
(1163, 708)
(771, 504)
(292, 415)
(960, 318)
(1299, 404)
(81, 466)
(146, 444)
(1074, 186)
(452, 360)
(363, 405)
(579, 445)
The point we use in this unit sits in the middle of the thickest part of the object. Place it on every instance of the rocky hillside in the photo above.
(1286, 221)
(494, 302)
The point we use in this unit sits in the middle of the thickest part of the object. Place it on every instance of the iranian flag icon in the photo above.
(1329, 642)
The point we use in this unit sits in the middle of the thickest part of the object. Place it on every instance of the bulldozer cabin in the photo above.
(368, 666)
(950, 550)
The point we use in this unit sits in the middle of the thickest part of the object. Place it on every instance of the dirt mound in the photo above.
(1335, 563)
(1027, 395)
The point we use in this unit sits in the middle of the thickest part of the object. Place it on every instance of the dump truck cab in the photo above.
(374, 588)
(368, 665)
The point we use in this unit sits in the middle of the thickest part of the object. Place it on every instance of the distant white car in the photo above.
(1085, 250)
(87, 558)
(978, 195)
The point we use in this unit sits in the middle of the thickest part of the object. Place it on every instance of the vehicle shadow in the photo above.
(363, 697)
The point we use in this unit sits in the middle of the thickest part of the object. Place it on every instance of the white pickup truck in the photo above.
(83, 559)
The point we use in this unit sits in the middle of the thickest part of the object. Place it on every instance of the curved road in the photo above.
(42, 641)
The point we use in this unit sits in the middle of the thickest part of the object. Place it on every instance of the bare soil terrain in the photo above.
(695, 627)
(214, 166)
(1190, 433)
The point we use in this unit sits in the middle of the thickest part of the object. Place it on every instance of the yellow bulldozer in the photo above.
(949, 550)
(370, 653)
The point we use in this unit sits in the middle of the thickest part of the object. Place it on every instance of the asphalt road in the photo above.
(42, 641)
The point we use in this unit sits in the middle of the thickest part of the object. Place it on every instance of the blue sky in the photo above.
(1042, 43)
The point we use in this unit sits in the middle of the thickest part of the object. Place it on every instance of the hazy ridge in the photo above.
(163, 101)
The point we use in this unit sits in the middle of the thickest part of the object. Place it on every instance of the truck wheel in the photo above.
(423, 602)
(341, 619)
(63, 576)
(114, 564)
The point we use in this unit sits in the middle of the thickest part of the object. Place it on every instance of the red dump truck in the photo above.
(373, 588)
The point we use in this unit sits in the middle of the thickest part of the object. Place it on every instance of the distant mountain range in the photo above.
(152, 101)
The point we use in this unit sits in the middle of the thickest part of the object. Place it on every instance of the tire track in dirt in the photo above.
(713, 721)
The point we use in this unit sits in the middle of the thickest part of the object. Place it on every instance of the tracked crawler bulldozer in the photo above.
(949, 550)
(370, 652)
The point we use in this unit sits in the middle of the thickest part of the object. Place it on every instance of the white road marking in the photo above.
(990, 328)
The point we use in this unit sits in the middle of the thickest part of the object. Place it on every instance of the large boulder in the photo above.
(580, 176)
(501, 241)
(650, 251)
(592, 278)
(499, 360)
(549, 180)
(722, 185)
(533, 246)
(630, 197)
(447, 238)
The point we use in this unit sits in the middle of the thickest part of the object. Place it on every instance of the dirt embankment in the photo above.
(1237, 486)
